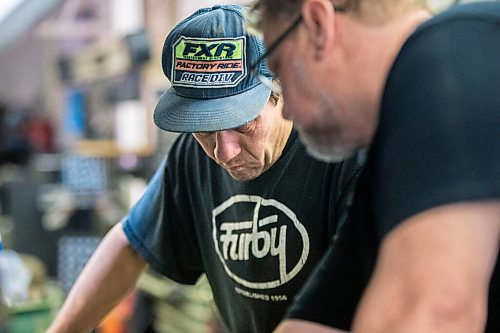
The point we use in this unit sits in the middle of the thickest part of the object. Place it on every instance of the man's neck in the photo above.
(282, 139)
(373, 47)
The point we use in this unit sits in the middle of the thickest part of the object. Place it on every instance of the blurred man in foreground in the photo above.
(419, 252)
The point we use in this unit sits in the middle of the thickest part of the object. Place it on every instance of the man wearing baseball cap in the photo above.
(237, 198)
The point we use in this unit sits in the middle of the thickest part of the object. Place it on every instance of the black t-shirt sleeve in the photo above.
(157, 228)
(438, 141)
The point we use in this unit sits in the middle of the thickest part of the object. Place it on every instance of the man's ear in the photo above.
(319, 16)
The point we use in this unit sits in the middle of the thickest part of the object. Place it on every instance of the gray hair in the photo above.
(364, 9)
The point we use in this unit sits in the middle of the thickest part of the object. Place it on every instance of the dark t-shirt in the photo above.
(256, 240)
(438, 142)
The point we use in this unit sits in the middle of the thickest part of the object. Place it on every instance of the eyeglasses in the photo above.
(254, 68)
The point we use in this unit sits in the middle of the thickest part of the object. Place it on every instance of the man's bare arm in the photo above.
(109, 276)
(433, 272)
(301, 326)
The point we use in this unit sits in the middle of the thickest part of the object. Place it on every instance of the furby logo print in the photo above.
(209, 62)
(270, 236)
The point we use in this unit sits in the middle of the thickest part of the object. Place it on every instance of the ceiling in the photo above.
(18, 16)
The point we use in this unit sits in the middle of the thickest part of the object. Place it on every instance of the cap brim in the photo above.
(174, 113)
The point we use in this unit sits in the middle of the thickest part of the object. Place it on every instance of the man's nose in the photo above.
(227, 146)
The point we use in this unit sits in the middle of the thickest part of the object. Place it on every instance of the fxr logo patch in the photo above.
(209, 62)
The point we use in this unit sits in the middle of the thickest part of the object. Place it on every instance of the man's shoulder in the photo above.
(466, 16)
(482, 10)
(440, 58)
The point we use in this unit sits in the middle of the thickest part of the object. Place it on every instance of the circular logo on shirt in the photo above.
(266, 249)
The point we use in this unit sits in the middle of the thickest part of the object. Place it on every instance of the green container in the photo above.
(35, 316)
(31, 322)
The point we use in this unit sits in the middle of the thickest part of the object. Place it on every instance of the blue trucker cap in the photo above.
(207, 58)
